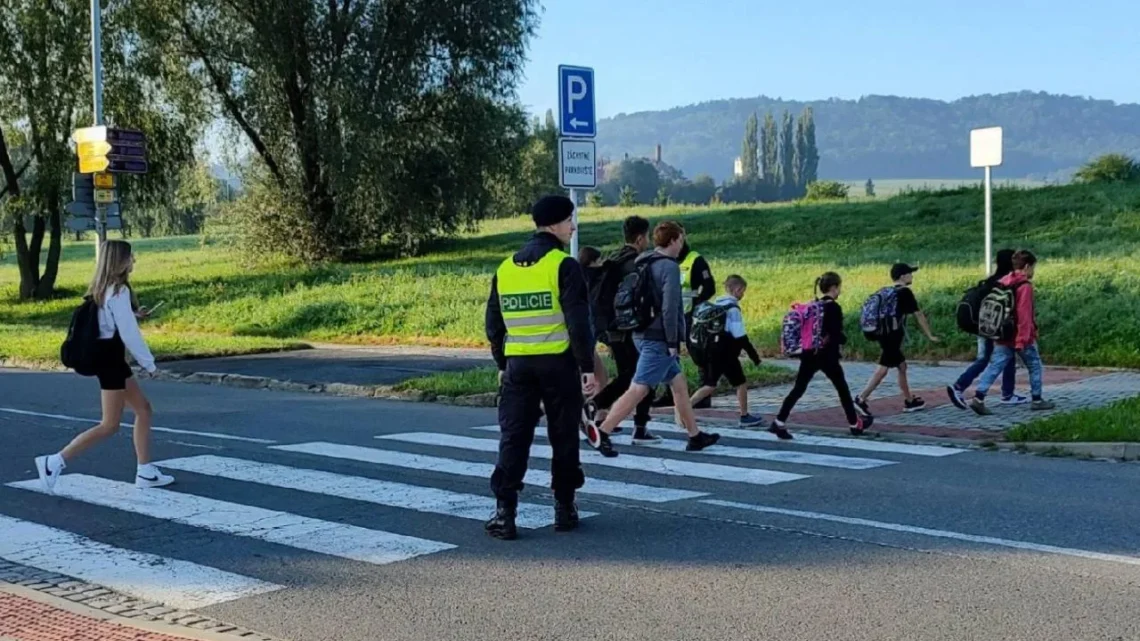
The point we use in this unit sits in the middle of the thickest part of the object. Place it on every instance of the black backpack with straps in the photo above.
(633, 303)
(80, 350)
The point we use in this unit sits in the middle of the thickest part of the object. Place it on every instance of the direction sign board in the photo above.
(105, 196)
(576, 112)
(112, 150)
(87, 210)
(576, 163)
(88, 224)
(104, 181)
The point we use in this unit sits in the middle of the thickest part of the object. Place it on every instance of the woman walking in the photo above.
(118, 333)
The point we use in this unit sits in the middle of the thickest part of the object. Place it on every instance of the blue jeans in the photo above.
(985, 352)
(1002, 356)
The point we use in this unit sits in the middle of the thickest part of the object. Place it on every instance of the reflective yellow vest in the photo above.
(528, 299)
(687, 292)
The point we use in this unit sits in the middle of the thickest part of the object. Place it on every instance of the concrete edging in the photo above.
(1111, 451)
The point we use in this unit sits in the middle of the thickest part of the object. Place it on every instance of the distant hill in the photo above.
(1046, 136)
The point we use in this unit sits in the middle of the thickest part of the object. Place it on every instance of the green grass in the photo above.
(1118, 422)
(485, 379)
(1088, 239)
(888, 187)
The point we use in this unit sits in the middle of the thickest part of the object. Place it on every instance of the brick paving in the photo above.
(24, 619)
(1071, 389)
(106, 614)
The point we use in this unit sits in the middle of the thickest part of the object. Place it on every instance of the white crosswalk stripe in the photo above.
(315, 535)
(401, 495)
(752, 453)
(173, 582)
(663, 466)
(537, 478)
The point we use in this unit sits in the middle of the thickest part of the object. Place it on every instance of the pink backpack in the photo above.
(802, 329)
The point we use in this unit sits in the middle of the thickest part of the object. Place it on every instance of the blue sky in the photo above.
(656, 54)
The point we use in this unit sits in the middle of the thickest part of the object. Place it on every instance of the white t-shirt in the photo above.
(116, 313)
(734, 320)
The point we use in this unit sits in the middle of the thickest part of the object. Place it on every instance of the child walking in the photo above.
(826, 359)
(118, 333)
(891, 341)
(1024, 338)
(723, 359)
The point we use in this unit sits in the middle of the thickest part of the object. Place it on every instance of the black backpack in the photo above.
(633, 303)
(603, 290)
(709, 321)
(970, 306)
(997, 316)
(79, 350)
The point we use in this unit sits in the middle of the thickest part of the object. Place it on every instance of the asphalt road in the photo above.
(343, 535)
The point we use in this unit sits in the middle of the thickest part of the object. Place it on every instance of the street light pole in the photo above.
(97, 103)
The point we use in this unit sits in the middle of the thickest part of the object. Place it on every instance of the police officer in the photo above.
(538, 323)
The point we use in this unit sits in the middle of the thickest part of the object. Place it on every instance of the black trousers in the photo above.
(553, 380)
(828, 363)
(625, 356)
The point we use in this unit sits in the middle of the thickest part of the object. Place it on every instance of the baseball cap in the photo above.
(898, 270)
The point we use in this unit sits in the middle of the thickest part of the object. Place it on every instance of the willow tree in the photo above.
(45, 94)
(372, 121)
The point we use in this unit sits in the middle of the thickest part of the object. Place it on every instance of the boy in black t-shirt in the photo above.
(892, 343)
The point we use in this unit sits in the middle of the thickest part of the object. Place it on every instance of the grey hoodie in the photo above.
(668, 324)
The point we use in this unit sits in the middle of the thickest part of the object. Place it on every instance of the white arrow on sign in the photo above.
(575, 123)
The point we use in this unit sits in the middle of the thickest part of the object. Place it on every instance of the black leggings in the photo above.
(829, 364)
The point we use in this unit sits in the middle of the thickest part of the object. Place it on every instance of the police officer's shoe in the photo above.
(502, 524)
(565, 516)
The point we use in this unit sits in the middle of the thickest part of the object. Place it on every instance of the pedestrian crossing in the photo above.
(435, 501)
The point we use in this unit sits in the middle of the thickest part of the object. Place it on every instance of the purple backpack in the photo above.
(803, 329)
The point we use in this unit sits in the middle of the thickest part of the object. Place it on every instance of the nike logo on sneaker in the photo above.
(154, 478)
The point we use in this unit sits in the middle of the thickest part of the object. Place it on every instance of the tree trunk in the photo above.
(28, 256)
(46, 287)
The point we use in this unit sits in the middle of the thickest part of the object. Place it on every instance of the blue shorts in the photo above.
(654, 364)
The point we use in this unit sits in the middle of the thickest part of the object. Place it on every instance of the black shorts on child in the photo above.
(892, 345)
(718, 366)
(113, 370)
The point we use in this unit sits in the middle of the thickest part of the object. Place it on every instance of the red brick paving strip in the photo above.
(28, 620)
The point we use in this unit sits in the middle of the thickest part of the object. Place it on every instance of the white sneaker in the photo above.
(152, 478)
(49, 471)
(1016, 399)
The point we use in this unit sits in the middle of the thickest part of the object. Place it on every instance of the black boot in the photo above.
(565, 516)
(502, 524)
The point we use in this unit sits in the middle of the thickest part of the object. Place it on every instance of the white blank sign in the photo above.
(985, 147)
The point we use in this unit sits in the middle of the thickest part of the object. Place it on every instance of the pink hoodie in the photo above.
(1026, 312)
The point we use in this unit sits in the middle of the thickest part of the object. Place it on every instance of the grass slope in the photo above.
(1115, 423)
(1088, 238)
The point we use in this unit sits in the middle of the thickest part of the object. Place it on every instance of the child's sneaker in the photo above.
(642, 436)
(862, 425)
(862, 407)
(1042, 404)
(701, 441)
(1016, 399)
(748, 420)
(913, 405)
(150, 476)
(780, 431)
(49, 468)
(956, 397)
(979, 407)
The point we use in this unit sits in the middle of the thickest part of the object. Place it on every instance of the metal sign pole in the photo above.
(574, 238)
(97, 100)
(989, 224)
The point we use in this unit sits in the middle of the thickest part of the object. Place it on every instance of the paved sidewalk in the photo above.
(27, 615)
(1072, 389)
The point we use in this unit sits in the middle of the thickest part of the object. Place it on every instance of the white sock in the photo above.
(56, 463)
(147, 469)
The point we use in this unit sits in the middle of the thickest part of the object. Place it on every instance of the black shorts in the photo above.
(892, 355)
(717, 367)
(114, 371)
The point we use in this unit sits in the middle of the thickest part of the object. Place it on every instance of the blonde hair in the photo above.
(112, 270)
